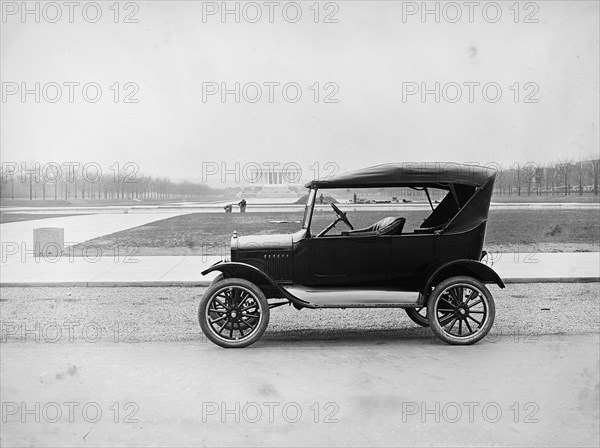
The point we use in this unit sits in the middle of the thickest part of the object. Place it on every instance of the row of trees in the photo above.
(560, 178)
(90, 181)
(53, 181)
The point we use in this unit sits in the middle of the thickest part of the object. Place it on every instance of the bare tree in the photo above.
(565, 169)
(539, 179)
(580, 171)
(595, 172)
(528, 172)
(30, 174)
(550, 179)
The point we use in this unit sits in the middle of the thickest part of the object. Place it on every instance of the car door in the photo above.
(350, 260)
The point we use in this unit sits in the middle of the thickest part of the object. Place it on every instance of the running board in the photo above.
(335, 297)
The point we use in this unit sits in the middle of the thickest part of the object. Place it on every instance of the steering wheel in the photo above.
(340, 214)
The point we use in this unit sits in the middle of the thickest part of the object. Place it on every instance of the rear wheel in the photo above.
(418, 315)
(233, 313)
(461, 310)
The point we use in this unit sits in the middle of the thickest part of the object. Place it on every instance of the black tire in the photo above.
(231, 303)
(418, 315)
(217, 279)
(449, 305)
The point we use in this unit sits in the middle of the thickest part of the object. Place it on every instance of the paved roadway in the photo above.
(379, 391)
(284, 205)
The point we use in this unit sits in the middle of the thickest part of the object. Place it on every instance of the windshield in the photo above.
(367, 206)
(309, 208)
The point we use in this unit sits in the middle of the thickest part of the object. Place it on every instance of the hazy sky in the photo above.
(373, 54)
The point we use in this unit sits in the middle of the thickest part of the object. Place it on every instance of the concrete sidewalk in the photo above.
(77, 228)
(185, 270)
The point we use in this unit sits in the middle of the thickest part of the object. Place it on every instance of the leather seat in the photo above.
(385, 226)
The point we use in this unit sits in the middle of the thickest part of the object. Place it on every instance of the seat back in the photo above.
(389, 226)
(385, 226)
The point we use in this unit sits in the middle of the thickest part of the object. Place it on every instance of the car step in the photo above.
(335, 297)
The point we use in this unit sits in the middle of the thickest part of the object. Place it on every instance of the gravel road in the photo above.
(169, 314)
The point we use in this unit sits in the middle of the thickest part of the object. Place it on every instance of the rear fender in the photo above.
(471, 268)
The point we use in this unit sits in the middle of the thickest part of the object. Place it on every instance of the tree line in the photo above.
(564, 177)
(90, 181)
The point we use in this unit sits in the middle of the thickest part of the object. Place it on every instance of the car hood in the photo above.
(280, 241)
(276, 241)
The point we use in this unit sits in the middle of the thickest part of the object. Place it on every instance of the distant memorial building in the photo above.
(269, 182)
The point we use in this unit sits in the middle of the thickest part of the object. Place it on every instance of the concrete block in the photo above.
(48, 241)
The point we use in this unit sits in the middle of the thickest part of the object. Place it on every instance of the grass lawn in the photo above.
(18, 217)
(201, 233)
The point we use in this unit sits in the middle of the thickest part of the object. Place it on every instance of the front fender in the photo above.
(472, 268)
(248, 272)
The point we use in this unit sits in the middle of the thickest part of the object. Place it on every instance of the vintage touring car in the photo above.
(434, 271)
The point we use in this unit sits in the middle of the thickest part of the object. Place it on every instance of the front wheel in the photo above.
(461, 310)
(233, 313)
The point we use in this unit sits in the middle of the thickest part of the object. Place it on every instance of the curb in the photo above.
(126, 284)
(553, 280)
(159, 284)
